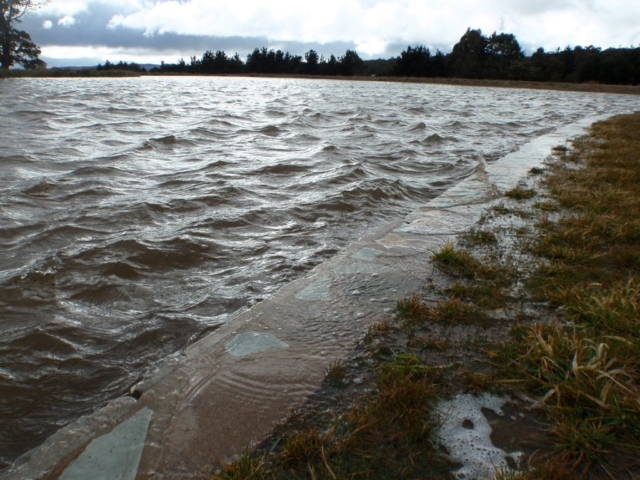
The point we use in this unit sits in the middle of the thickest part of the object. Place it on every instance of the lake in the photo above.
(139, 214)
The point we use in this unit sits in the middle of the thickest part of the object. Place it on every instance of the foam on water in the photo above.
(466, 434)
(137, 214)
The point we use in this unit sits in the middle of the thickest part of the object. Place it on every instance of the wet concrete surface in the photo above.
(230, 388)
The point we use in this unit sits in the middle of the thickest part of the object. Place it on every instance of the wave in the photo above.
(132, 224)
(122, 270)
(346, 174)
(330, 148)
(433, 139)
(286, 169)
(270, 130)
(418, 127)
(102, 295)
(98, 171)
(125, 110)
(42, 189)
(166, 142)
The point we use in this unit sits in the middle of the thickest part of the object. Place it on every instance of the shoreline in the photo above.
(510, 362)
(230, 388)
(462, 82)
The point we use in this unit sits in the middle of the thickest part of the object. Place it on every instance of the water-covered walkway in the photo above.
(229, 389)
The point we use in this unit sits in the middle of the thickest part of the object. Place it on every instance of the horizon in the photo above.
(76, 33)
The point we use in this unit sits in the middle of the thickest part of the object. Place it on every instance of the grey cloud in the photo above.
(90, 29)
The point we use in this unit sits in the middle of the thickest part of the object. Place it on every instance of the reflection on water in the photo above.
(136, 215)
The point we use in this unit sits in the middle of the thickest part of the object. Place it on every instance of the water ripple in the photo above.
(138, 214)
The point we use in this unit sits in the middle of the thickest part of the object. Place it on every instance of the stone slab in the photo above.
(115, 455)
(229, 389)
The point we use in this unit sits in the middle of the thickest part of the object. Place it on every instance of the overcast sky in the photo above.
(87, 32)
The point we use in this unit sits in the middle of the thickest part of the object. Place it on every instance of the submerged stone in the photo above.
(253, 342)
(362, 268)
(318, 290)
(366, 254)
(115, 455)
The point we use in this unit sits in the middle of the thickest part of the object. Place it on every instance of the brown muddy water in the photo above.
(137, 215)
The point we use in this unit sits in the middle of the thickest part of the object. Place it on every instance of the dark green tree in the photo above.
(270, 61)
(312, 60)
(467, 59)
(16, 46)
(235, 64)
(537, 66)
(351, 64)
(439, 64)
(133, 67)
(620, 65)
(587, 64)
(214, 63)
(414, 62)
(330, 67)
(261, 60)
(501, 50)
(380, 67)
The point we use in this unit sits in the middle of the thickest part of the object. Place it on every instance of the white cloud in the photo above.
(67, 21)
(74, 7)
(371, 47)
(378, 22)
(47, 24)
(370, 25)
(101, 54)
(65, 7)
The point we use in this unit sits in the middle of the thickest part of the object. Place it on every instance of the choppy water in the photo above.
(136, 215)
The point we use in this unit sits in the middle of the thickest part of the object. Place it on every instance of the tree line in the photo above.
(476, 56)
(498, 56)
(130, 67)
(269, 61)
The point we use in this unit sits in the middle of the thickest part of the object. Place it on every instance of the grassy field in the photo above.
(540, 304)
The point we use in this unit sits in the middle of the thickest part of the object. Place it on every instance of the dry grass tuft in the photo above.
(336, 374)
(586, 371)
(388, 434)
(582, 367)
(520, 193)
(477, 237)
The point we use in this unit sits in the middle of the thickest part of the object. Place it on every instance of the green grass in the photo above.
(486, 295)
(547, 206)
(577, 353)
(585, 368)
(336, 374)
(458, 263)
(536, 171)
(388, 433)
(479, 237)
(560, 149)
(479, 284)
(520, 193)
(451, 311)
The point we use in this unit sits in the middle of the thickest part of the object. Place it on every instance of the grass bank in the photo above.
(539, 303)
